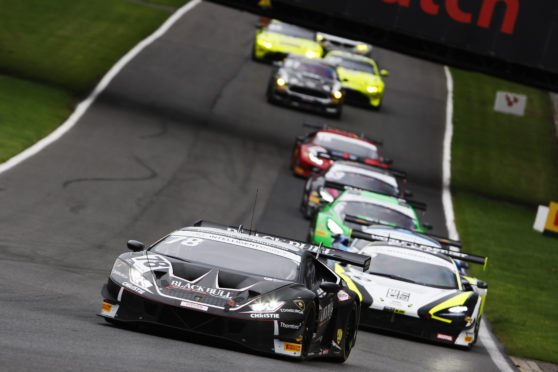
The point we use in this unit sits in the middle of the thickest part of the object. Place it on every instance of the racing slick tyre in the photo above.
(269, 95)
(309, 328)
(337, 113)
(349, 335)
(307, 211)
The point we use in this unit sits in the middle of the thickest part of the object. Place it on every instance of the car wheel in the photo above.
(349, 335)
(309, 328)
(337, 113)
(270, 98)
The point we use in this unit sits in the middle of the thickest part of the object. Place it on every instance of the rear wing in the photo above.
(322, 126)
(340, 41)
(334, 254)
(423, 247)
(329, 156)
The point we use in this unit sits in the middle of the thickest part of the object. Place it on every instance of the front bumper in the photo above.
(428, 329)
(360, 98)
(306, 101)
(124, 306)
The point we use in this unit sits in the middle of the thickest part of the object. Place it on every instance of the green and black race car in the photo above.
(358, 207)
(275, 39)
(360, 76)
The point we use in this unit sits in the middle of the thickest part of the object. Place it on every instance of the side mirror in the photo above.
(427, 225)
(407, 193)
(482, 285)
(135, 246)
(330, 287)
(384, 72)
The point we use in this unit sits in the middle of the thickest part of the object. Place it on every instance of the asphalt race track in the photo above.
(184, 132)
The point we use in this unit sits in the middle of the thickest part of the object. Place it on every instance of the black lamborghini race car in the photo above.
(267, 293)
(306, 83)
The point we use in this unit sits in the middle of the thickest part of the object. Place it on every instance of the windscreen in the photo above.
(413, 271)
(375, 213)
(311, 68)
(343, 144)
(232, 254)
(352, 64)
(291, 30)
(360, 181)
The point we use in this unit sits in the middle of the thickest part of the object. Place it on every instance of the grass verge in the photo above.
(54, 52)
(502, 167)
(28, 112)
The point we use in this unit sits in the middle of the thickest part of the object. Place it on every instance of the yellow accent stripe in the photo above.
(483, 297)
(339, 271)
(485, 263)
(454, 301)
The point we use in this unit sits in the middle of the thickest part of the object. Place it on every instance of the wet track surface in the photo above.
(184, 132)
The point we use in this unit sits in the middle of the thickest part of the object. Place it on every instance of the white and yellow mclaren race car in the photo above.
(414, 286)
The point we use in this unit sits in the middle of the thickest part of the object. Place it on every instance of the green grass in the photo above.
(28, 112)
(54, 52)
(71, 43)
(501, 155)
(522, 273)
(502, 167)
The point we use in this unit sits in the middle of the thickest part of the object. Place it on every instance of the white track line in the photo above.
(85, 104)
(485, 336)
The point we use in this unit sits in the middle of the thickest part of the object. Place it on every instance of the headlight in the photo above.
(315, 159)
(281, 82)
(458, 309)
(334, 227)
(265, 44)
(326, 195)
(372, 89)
(138, 279)
(269, 306)
(361, 47)
(120, 270)
(311, 54)
(337, 94)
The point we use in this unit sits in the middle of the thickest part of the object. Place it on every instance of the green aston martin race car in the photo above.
(355, 208)
(275, 39)
(360, 76)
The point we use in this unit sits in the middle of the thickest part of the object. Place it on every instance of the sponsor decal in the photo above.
(296, 311)
(326, 312)
(398, 295)
(339, 335)
(444, 337)
(177, 284)
(106, 307)
(325, 351)
(264, 316)
(193, 305)
(299, 338)
(468, 339)
(296, 348)
(300, 304)
(134, 288)
(291, 326)
(399, 311)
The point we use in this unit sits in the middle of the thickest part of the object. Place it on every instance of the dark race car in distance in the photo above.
(306, 83)
(324, 187)
(264, 292)
(309, 150)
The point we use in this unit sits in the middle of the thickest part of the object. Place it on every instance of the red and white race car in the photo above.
(318, 149)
